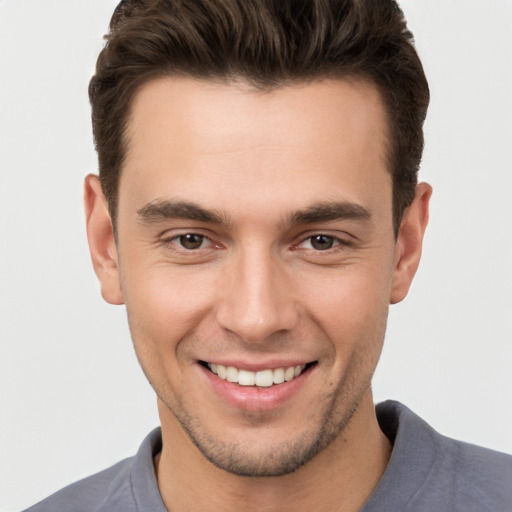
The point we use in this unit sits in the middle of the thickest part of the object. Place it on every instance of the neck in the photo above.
(340, 478)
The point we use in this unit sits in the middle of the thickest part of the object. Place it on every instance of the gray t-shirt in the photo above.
(427, 472)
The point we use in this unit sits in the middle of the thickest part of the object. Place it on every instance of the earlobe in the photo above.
(101, 239)
(409, 243)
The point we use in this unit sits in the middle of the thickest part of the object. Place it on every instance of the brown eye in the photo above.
(191, 241)
(322, 242)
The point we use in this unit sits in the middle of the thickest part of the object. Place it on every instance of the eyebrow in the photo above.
(316, 213)
(162, 210)
(326, 212)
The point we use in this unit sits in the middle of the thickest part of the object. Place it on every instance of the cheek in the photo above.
(162, 311)
(351, 306)
(163, 307)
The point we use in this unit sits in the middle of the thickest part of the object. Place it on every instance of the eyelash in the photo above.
(337, 243)
(175, 240)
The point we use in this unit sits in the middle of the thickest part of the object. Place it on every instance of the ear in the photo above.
(409, 243)
(102, 244)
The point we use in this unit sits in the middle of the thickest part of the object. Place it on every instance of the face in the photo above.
(256, 259)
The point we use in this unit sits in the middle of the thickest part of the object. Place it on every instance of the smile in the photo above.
(263, 378)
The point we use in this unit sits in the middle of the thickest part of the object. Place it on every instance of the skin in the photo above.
(259, 290)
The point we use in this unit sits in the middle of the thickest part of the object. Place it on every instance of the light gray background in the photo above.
(72, 398)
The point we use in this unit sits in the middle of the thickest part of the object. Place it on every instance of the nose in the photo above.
(256, 298)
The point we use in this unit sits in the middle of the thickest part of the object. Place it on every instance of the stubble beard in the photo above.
(336, 412)
(336, 409)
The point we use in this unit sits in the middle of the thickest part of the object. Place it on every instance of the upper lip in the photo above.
(259, 365)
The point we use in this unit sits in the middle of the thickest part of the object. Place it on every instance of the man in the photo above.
(257, 210)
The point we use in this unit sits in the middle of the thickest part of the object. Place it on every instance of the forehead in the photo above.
(203, 108)
(206, 137)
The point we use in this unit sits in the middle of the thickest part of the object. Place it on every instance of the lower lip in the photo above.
(253, 398)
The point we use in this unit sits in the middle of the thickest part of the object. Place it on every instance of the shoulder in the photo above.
(127, 486)
(432, 472)
(88, 494)
(478, 474)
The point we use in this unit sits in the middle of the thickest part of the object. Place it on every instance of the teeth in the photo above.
(289, 373)
(263, 378)
(246, 378)
(232, 374)
(279, 376)
(222, 371)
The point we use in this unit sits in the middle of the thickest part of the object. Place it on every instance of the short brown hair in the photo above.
(268, 43)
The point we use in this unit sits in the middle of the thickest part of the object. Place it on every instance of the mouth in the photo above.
(265, 378)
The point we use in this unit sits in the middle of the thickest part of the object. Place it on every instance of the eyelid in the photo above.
(171, 237)
(309, 239)
(177, 239)
(340, 239)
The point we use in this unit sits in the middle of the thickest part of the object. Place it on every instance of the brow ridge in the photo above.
(330, 211)
(165, 209)
(316, 213)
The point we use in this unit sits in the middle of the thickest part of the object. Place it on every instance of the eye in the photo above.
(320, 242)
(191, 241)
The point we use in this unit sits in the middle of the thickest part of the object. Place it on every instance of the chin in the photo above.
(267, 451)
